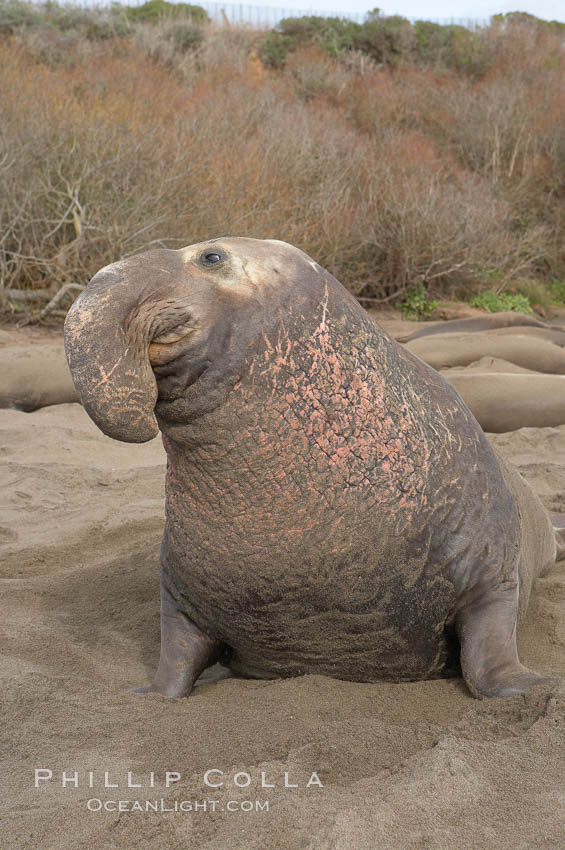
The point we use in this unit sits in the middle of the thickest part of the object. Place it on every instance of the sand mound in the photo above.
(402, 766)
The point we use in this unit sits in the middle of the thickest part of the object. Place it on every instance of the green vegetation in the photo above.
(17, 16)
(417, 304)
(495, 302)
(155, 10)
(538, 295)
(185, 36)
(557, 291)
(387, 40)
(519, 19)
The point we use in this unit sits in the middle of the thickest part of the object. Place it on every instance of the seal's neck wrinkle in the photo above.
(310, 424)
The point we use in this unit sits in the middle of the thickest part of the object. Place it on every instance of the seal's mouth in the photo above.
(167, 347)
(175, 377)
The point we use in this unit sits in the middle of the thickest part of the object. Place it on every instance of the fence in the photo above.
(269, 16)
(266, 16)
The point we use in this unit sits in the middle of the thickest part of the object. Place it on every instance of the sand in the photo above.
(420, 765)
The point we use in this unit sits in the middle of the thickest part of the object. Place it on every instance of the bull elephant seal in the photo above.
(332, 506)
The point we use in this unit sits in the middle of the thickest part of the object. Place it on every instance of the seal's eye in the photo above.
(211, 258)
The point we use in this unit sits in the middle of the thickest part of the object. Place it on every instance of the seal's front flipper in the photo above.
(558, 523)
(489, 658)
(185, 652)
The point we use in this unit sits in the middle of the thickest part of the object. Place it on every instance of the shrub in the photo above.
(416, 304)
(525, 19)
(15, 14)
(386, 40)
(315, 73)
(495, 302)
(274, 49)
(557, 290)
(334, 35)
(431, 40)
(112, 26)
(185, 36)
(154, 10)
(67, 18)
(538, 294)
(470, 53)
(55, 48)
(21, 17)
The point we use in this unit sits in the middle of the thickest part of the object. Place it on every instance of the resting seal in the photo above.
(448, 350)
(35, 377)
(472, 324)
(504, 397)
(547, 334)
(332, 506)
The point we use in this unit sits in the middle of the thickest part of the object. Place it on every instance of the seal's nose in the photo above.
(109, 367)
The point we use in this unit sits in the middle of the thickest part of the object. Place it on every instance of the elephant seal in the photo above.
(473, 324)
(332, 506)
(548, 334)
(488, 365)
(461, 349)
(506, 401)
(35, 377)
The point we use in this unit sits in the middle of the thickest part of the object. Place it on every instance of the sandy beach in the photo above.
(370, 766)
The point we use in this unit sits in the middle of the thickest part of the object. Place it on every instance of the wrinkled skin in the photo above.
(332, 505)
